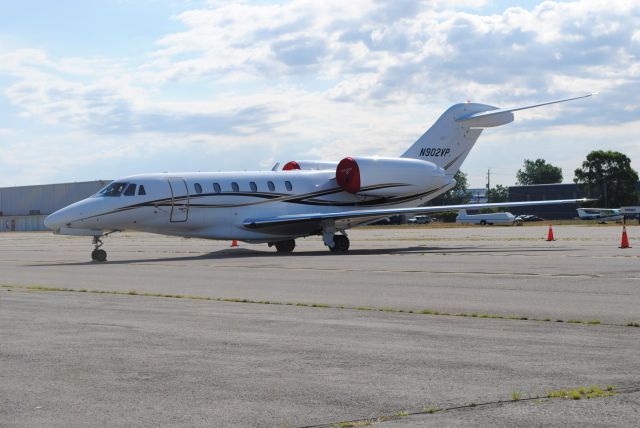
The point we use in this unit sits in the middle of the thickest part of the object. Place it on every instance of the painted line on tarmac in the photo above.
(593, 322)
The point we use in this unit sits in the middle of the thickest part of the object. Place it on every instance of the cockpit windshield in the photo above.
(113, 189)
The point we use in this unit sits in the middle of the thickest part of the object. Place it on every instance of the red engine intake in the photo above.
(348, 175)
(290, 166)
(381, 177)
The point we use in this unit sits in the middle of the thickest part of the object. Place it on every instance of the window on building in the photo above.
(217, 188)
(235, 187)
(254, 186)
(288, 186)
(141, 191)
(198, 187)
(131, 190)
(272, 187)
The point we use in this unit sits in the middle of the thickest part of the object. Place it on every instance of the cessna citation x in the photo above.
(300, 199)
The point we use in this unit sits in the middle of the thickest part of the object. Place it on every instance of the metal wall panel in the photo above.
(22, 223)
(45, 199)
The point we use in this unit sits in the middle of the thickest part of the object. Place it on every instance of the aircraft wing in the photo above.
(292, 219)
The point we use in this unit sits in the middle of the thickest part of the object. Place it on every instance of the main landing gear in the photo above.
(336, 243)
(284, 246)
(340, 244)
(97, 254)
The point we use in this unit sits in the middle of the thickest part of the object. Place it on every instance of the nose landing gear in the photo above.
(97, 254)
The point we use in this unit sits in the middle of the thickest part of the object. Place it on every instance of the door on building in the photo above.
(179, 200)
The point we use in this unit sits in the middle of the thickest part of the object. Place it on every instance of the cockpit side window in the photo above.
(113, 189)
(131, 190)
(141, 191)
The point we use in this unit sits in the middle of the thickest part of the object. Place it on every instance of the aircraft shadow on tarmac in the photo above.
(240, 253)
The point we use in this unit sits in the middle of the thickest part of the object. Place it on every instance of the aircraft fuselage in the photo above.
(215, 205)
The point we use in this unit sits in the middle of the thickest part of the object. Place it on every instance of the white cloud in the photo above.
(315, 79)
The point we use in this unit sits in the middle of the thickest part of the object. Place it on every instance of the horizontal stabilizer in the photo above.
(497, 117)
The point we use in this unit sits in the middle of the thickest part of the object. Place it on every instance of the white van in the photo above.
(492, 218)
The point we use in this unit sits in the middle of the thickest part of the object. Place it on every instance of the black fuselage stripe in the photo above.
(305, 199)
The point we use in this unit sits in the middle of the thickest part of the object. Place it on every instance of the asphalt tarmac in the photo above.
(194, 333)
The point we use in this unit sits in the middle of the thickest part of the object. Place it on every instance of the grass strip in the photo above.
(314, 305)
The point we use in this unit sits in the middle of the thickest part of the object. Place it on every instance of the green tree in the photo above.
(499, 193)
(538, 172)
(608, 175)
(458, 195)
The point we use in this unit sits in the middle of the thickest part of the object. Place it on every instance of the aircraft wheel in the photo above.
(99, 255)
(341, 243)
(285, 246)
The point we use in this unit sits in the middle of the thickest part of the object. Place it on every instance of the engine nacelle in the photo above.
(375, 176)
(313, 165)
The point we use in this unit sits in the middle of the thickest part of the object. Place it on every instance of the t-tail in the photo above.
(448, 142)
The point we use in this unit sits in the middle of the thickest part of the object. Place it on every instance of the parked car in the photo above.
(528, 217)
(420, 219)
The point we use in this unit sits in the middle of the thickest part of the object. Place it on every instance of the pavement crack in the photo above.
(591, 392)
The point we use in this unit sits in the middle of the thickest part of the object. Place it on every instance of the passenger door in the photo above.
(179, 200)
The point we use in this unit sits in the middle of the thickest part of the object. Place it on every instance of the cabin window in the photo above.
(272, 187)
(254, 186)
(198, 187)
(235, 187)
(131, 190)
(141, 191)
(288, 186)
(217, 188)
(113, 189)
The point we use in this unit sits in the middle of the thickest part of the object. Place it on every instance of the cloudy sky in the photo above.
(95, 89)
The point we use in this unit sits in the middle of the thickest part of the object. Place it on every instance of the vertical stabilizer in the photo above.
(448, 142)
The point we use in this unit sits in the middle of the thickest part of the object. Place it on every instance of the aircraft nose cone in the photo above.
(56, 220)
(52, 222)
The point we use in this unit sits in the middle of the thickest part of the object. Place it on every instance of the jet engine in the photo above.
(377, 176)
(309, 165)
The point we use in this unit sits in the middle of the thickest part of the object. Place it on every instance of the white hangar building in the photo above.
(23, 208)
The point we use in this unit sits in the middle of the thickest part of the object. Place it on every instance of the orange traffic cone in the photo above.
(234, 243)
(550, 234)
(625, 239)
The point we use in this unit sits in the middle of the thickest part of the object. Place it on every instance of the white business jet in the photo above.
(300, 199)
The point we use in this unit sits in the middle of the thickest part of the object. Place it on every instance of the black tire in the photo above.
(100, 255)
(93, 255)
(285, 246)
(341, 243)
(483, 222)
